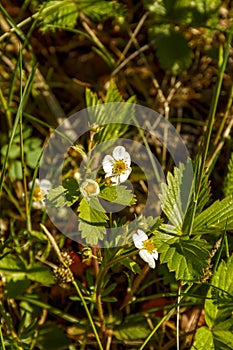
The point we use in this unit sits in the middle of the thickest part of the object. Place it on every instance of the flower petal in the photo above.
(119, 153)
(137, 241)
(108, 163)
(124, 176)
(143, 236)
(147, 257)
(115, 179)
(45, 185)
(37, 184)
(155, 254)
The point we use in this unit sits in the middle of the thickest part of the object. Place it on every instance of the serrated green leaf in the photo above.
(203, 340)
(118, 194)
(65, 195)
(101, 10)
(91, 233)
(92, 211)
(63, 13)
(175, 194)
(228, 183)
(219, 308)
(187, 257)
(174, 52)
(217, 217)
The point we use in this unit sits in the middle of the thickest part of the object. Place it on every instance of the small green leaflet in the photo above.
(65, 195)
(92, 211)
(187, 257)
(118, 195)
(91, 233)
(204, 340)
(92, 220)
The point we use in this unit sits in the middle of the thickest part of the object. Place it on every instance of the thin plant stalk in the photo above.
(164, 319)
(200, 170)
(22, 103)
(78, 290)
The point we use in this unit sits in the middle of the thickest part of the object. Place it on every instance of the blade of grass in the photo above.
(50, 308)
(22, 103)
(204, 149)
(164, 319)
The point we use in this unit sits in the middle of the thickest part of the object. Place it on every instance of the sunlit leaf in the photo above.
(91, 233)
(218, 217)
(118, 194)
(218, 306)
(187, 257)
(65, 195)
(92, 211)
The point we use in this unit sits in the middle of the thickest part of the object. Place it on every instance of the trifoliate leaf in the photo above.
(65, 195)
(118, 195)
(219, 304)
(218, 217)
(187, 257)
(91, 233)
(174, 52)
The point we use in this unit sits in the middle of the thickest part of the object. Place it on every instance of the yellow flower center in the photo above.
(149, 246)
(119, 167)
(38, 194)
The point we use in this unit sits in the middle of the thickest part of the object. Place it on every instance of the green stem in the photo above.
(200, 170)
(165, 318)
(2, 339)
(88, 314)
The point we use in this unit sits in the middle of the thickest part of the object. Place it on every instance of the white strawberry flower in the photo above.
(146, 248)
(41, 188)
(117, 167)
